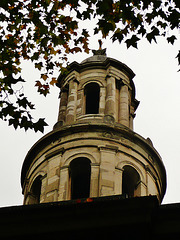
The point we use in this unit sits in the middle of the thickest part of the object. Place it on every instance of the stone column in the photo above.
(107, 170)
(52, 179)
(140, 190)
(94, 188)
(118, 181)
(79, 109)
(132, 116)
(102, 100)
(110, 96)
(43, 188)
(124, 106)
(151, 183)
(72, 101)
(64, 186)
(63, 106)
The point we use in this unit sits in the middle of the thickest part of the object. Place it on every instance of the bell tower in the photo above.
(93, 150)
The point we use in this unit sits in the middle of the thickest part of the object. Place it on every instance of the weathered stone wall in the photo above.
(109, 151)
(114, 101)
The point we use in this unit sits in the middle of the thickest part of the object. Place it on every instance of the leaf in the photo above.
(8, 110)
(106, 27)
(53, 81)
(38, 65)
(177, 3)
(25, 123)
(75, 49)
(152, 35)
(14, 122)
(173, 19)
(22, 102)
(39, 125)
(118, 36)
(171, 39)
(25, 103)
(132, 41)
(178, 57)
(162, 24)
(35, 56)
(38, 84)
(142, 31)
(44, 77)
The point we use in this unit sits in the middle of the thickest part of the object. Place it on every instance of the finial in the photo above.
(100, 44)
(100, 51)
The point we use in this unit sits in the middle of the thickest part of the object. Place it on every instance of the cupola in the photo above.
(93, 150)
(97, 89)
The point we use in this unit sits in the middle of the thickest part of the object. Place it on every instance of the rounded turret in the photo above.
(93, 150)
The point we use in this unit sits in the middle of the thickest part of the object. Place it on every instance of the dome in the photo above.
(99, 56)
(95, 58)
(98, 60)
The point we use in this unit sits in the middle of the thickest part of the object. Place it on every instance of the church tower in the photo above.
(93, 150)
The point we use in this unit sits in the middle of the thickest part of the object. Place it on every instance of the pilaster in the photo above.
(132, 116)
(110, 96)
(102, 100)
(52, 179)
(64, 186)
(107, 170)
(63, 105)
(72, 101)
(124, 106)
(141, 189)
(118, 181)
(94, 186)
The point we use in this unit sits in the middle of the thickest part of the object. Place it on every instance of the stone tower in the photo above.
(93, 150)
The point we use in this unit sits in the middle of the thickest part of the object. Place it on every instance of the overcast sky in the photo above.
(157, 85)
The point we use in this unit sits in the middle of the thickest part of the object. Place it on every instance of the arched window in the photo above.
(36, 190)
(130, 180)
(80, 174)
(91, 93)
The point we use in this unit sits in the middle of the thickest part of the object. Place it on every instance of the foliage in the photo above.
(46, 31)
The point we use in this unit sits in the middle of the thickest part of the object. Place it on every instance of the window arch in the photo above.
(92, 92)
(80, 175)
(130, 181)
(36, 190)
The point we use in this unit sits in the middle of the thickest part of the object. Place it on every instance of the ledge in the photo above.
(99, 218)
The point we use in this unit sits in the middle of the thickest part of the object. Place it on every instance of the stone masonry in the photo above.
(121, 161)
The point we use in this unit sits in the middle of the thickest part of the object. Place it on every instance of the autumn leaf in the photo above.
(38, 84)
(39, 65)
(44, 77)
(75, 49)
(53, 81)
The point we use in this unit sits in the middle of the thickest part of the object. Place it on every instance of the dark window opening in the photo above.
(92, 98)
(130, 180)
(36, 190)
(80, 174)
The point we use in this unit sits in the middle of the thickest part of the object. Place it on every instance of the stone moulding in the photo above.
(97, 64)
